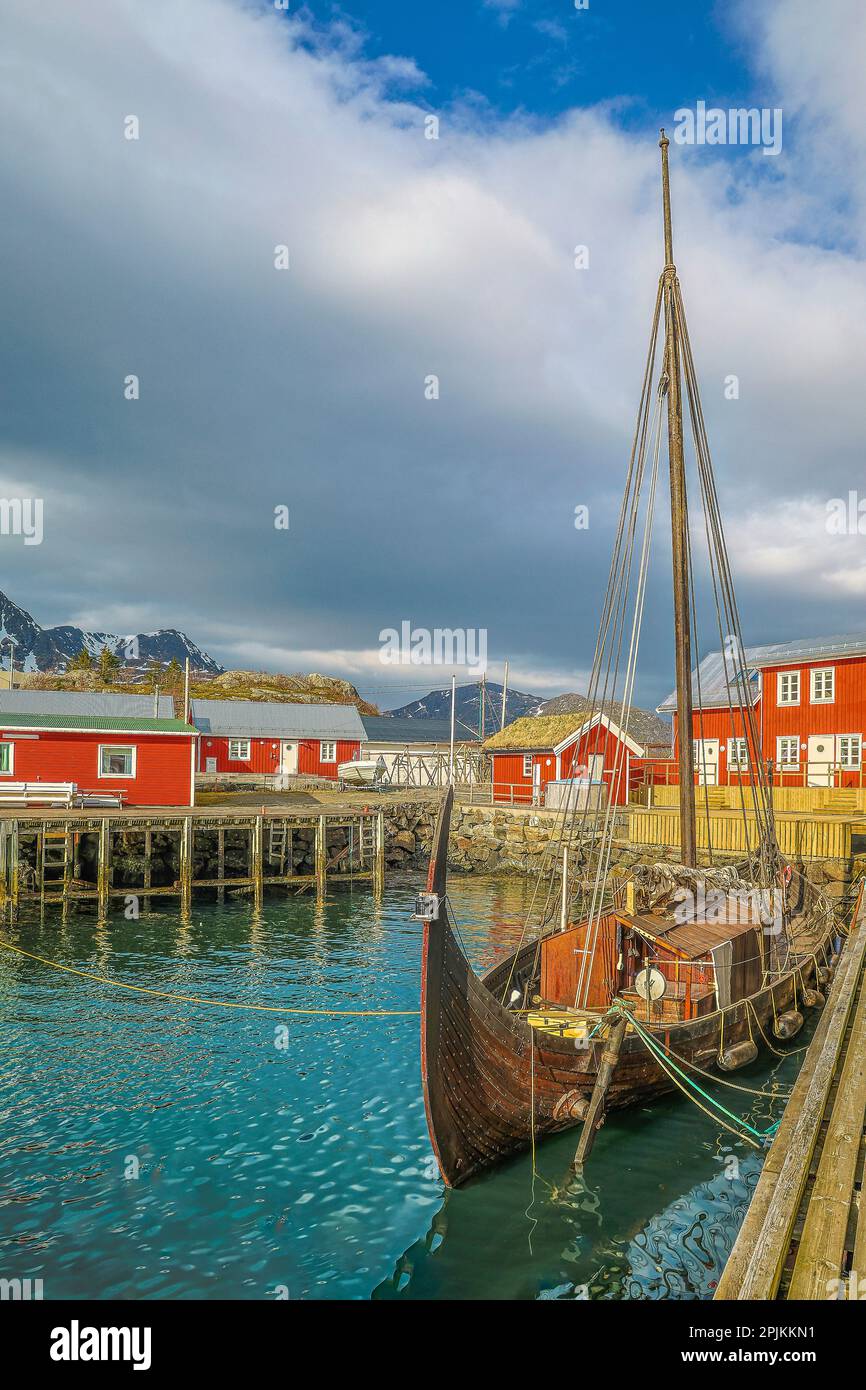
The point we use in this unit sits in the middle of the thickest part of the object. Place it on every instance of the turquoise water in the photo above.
(151, 1149)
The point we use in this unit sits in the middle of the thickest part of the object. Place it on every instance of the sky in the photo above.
(306, 388)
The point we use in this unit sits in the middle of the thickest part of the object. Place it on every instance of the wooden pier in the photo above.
(804, 1236)
(63, 857)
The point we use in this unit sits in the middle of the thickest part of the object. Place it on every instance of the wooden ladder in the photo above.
(278, 843)
(56, 860)
(367, 841)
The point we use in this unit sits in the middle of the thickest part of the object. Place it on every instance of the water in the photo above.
(151, 1149)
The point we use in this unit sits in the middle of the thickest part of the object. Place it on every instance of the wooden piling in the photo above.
(186, 866)
(103, 865)
(221, 864)
(257, 845)
(321, 851)
(379, 857)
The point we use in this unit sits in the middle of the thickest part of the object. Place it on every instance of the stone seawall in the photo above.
(508, 840)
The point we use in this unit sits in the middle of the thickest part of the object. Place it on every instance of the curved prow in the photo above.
(437, 873)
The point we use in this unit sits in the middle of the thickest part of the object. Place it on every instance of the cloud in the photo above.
(409, 258)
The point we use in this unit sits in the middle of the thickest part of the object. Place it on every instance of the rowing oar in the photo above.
(595, 1114)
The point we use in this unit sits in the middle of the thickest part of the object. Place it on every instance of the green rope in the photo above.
(651, 1043)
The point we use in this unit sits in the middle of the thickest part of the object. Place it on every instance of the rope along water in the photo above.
(213, 1003)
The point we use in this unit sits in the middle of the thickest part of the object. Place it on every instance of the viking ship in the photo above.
(628, 977)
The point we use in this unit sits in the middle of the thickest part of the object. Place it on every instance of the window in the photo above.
(850, 750)
(788, 753)
(823, 686)
(117, 761)
(738, 753)
(788, 688)
(7, 758)
(239, 750)
(327, 751)
(527, 764)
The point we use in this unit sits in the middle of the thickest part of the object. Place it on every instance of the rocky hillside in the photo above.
(437, 705)
(645, 726)
(313, 689)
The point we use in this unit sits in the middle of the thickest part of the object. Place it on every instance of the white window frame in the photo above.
(735, 747)
(527, 764)
(793, 677)
(787, 764)
(822, 699)
(327, 756)
(236, 756)
(9, 771)
(857, 741)
(117, 747)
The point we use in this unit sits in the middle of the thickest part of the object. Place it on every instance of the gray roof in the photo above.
(271, 719)
(84, 702)
(713, 682)
(381, 729)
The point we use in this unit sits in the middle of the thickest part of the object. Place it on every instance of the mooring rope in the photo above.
(214, 1003)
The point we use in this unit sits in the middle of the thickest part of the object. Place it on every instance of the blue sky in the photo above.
(545, 57)
(409, 257)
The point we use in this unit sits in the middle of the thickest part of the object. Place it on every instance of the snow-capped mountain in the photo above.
(437, 705)
(52, 648)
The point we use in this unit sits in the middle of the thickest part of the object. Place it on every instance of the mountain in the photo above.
(52, 648)
(437, 705)
(645, 726)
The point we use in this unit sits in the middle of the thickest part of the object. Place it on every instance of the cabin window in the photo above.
(850, 750)
(788, 753)
(327, 751)
(527, 764)
(239, 750)
(117, 761)
(788, 688)
(738, 753)
(823, 686)
(7, 758)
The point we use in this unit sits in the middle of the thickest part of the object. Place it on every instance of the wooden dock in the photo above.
(804, 1236)
(63, 857)
(801, 835)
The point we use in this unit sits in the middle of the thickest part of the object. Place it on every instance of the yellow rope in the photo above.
(215, 1003)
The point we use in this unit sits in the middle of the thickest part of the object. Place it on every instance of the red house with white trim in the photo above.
(537, 750)
(115, 746)
(809, 698)
(267, 738)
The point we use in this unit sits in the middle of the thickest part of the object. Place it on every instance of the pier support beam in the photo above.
(258, 835)
(185, 867)
(103, 865)
(321, 851)
(379, 856)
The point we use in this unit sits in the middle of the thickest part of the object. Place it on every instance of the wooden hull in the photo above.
(490, 1080)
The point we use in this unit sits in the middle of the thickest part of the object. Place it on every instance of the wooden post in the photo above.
(379, 858)
(185, 868)
(321, 842)
(595, 1114)
(563, 914)
(4, 864)
(13, 867)
(451, 753)
(221, 864)
(258, 858)
(103, 865)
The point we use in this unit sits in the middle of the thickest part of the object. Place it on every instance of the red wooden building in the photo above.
(809, 698)
(257, 737)
(109, 745)
(540, 749)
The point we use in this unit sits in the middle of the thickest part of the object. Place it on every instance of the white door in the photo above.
(707, 761)
(289, 757)
(210, 764)
(595, 766)
(821, 753)
(536, 784)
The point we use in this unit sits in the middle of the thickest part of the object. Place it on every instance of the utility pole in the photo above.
(482, 691)
(679, 534)
(451, 755)
(186, 691)
(504, 697)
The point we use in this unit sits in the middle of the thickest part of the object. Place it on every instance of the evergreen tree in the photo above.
(108, 664)
(82, 662)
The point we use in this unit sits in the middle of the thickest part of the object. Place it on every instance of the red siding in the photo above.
(846, 715)
(719, 724)
(163, 764)
(310, 762)
(511, 784)
(265, 755)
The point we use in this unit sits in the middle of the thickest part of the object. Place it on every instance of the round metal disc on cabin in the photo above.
(650, 984)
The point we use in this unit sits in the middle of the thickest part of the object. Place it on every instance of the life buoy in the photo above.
(787, 874)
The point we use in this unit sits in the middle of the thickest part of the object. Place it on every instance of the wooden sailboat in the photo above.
(587, 1013)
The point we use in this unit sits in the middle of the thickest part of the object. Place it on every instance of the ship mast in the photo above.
(679, 535)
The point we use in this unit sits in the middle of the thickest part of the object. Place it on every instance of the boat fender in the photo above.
(823, 975)
(788, 1024)
(812, 998)
(740, 1055)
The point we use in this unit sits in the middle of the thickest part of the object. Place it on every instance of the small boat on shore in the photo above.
(363, 772)
(627, 984)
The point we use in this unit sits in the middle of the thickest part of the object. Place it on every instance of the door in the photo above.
(210, 764)
(595, 766)
(289, 757)
(821, 752)
(536, 784)
(707, 761)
